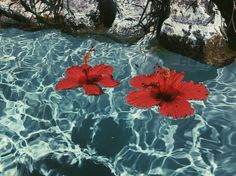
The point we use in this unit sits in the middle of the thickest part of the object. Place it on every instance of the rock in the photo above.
(194, 30)
(125, 27)
(217, 52)
(116, 18)
(80, 16)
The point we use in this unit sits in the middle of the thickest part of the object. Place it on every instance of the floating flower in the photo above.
(166, 89)
(87, 77)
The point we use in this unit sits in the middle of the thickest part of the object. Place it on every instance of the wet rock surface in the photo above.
(194, 29)
(116, 18)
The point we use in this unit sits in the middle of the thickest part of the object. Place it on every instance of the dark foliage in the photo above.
(52, 7)
(228, 11)
(160, 10)
(107, 9)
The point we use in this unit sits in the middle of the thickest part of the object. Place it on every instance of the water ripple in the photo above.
(44, 132)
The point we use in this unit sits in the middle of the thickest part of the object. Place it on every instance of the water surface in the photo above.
(45, 132)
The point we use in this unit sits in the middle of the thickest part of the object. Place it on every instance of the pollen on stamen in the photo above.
(164, 72)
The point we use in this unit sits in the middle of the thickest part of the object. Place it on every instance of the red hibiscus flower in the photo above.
(87, 77)
(166, 89)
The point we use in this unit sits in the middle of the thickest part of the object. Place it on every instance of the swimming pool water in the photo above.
(45, 132)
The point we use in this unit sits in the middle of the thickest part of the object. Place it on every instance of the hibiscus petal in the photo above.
(192, 91)
(156, 76)
(168, 83)
(92, 89)
(85, 67)
(175, 77)
(101, 69)
(178, 108)
(108, 82)
(141, 81)
(141, 98)
(76, 73)
(67, 83)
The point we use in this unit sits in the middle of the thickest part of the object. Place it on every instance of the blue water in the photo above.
(45, 132)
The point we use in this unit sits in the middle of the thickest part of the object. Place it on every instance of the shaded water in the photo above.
(45, 132)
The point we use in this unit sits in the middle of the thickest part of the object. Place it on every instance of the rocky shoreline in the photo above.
(194, 28)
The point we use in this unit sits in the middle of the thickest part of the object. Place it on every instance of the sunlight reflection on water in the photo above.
(44, 132)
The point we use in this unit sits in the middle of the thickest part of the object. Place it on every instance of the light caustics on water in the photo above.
(45, 132)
